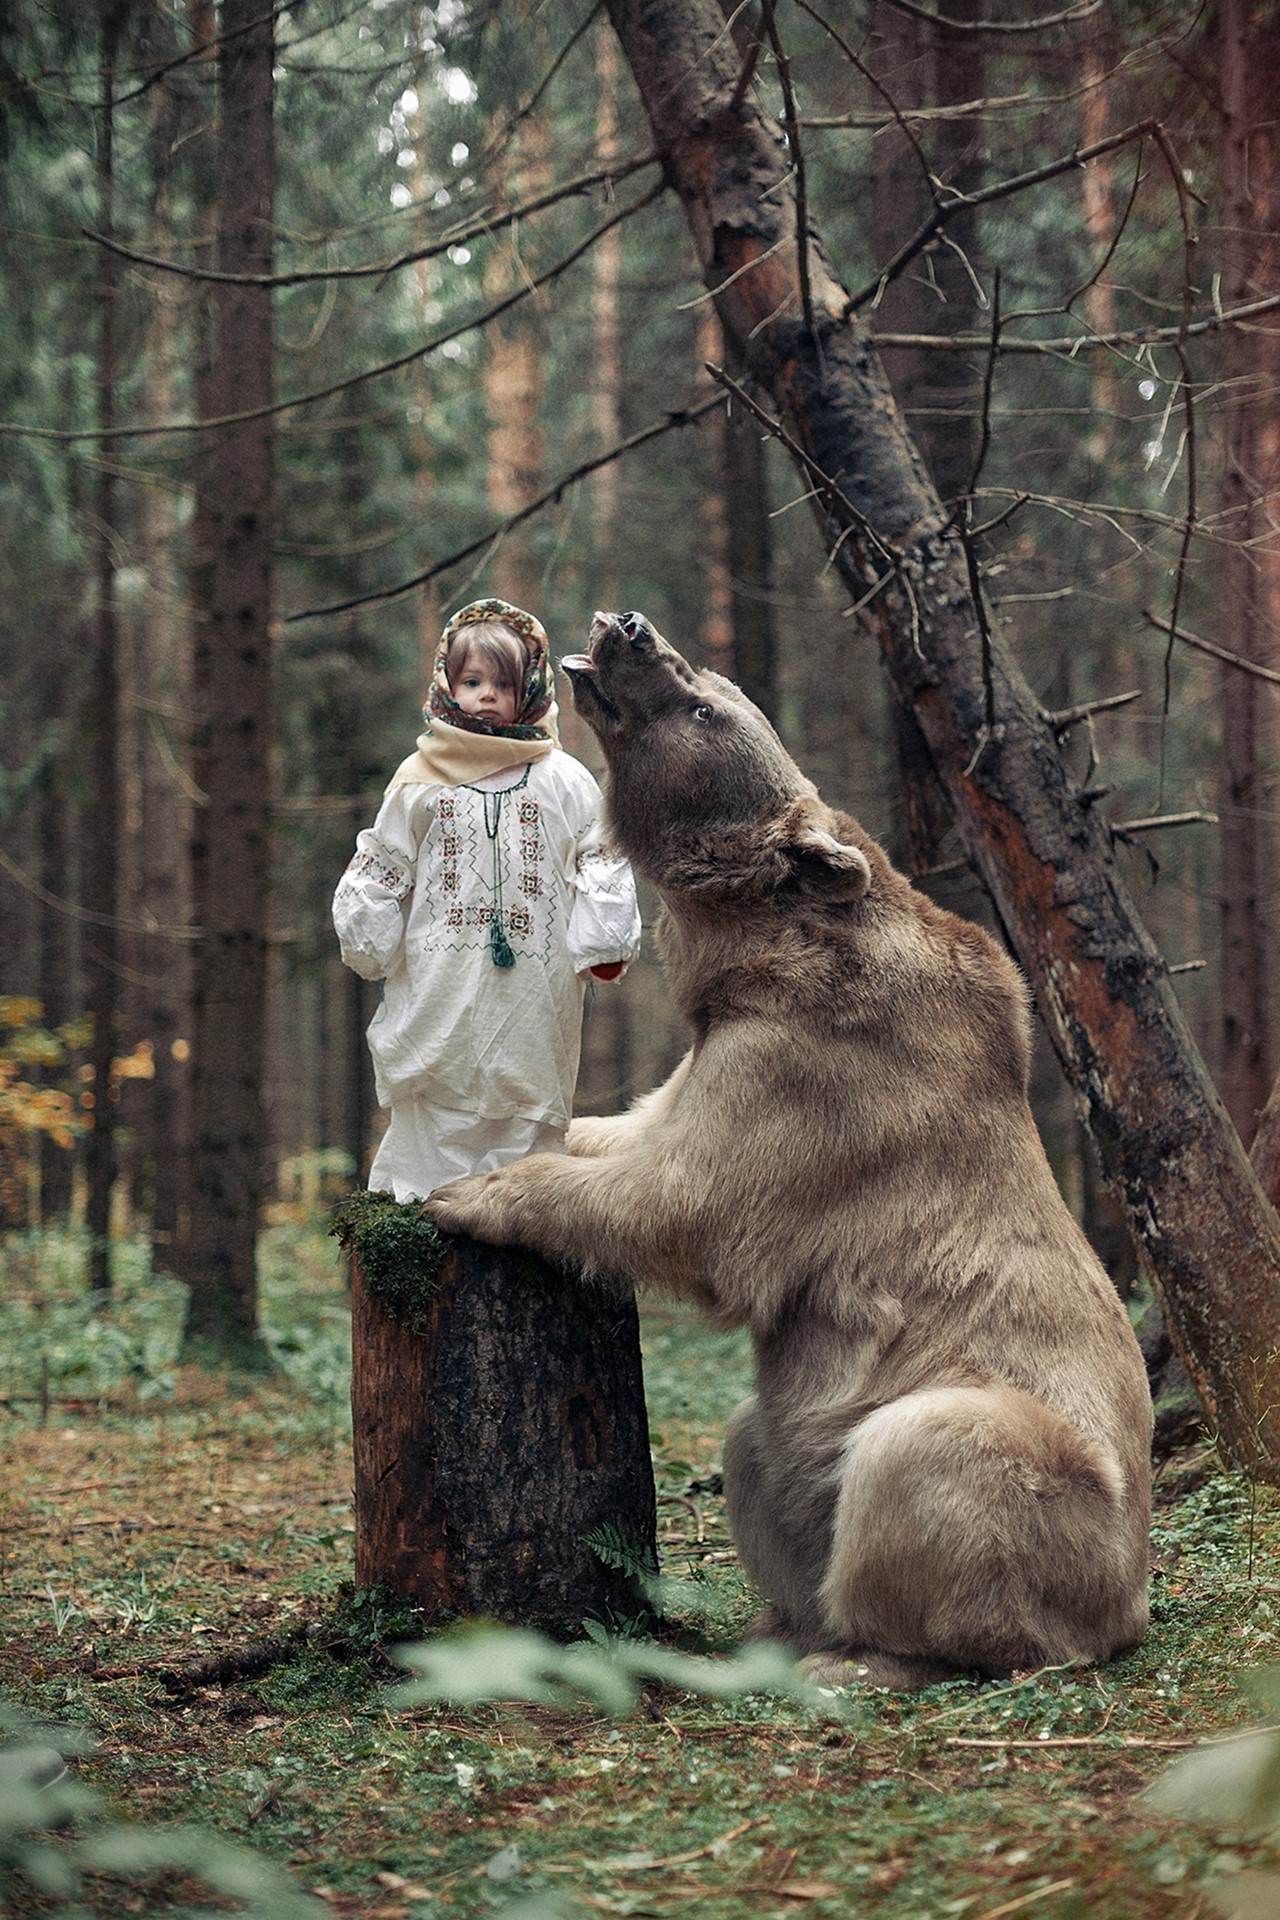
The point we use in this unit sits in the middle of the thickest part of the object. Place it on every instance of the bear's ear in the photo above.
(822, 864)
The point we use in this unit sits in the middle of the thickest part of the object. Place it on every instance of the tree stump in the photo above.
(493, 1432)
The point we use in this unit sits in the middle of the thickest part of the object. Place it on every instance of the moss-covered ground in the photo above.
(152, 1517)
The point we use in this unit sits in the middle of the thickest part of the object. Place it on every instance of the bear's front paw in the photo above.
(478, 1206)
(590, 1137)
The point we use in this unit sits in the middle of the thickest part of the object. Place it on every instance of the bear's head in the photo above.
(703, 796)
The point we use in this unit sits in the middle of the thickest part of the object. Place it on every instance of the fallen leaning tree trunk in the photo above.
(1206, 1234)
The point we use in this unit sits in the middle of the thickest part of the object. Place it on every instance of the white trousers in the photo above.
(426, 1146)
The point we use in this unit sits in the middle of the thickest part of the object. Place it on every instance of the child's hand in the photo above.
(608, 970)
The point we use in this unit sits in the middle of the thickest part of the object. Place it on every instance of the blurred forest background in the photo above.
(322, 320)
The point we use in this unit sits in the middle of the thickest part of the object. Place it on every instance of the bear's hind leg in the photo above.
(785, 1563)
(977, 1529)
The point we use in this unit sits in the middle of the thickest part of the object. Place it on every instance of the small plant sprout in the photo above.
(64, 1611)
(137, 1611)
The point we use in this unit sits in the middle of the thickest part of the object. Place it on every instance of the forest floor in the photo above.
(181, 1515)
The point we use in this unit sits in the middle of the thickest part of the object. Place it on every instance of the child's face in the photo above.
(478, 690)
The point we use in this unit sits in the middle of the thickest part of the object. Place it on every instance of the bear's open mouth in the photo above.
(584, 673)
(586, 662)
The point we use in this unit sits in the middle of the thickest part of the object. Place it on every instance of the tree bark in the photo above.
(514, 364)
(919, 59)
(607, 1071)
(1264, 1154)
(749, 551)
(233, 681)
(166, 791)
(58, 941)
(490, 1445)
(1098, 206)
(1205, 1233)
(103, 947)
(1250, 250)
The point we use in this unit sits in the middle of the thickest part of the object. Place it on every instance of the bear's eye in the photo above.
(703, 712)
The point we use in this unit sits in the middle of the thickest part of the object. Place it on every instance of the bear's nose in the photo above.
(632, 624)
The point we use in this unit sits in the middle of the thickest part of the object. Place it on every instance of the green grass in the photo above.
(140, 1532)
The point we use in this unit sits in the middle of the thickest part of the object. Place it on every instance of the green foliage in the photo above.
(57, 1336)
(369, 1618)
(1234, 1782)
(508, 1663)
(693, 1600)
(618, 1549)
(305, 1321)
(40, 1799)
(400, 1252)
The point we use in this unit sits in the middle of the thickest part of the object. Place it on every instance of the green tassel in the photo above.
(499, 945)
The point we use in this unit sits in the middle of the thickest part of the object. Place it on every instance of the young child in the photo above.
(484, 894)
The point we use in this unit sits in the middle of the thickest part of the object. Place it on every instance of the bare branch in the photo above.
(998, 520)
(1189, 414)
(1154, 822)
(791, 130)
(202, 50)
(1121, 228)
(532, 103)
(680, 417)
(153, 929)
(1072, 343)
(945, 207)
(1067, 717)
(1214, 651)
(866, 121)
(157, 429)
(900, 119)
(962, 515)
(824, 484)
(988, 390)
(932, 19)
(475, 229)
(747, 70)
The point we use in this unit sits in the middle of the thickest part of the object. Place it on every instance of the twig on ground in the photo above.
(245, 1664)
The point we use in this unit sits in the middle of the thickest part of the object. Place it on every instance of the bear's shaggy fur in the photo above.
(944, 1467)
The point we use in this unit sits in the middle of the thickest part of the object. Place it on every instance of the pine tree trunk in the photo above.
(103, 951)
(161, 826)
(233, 683)
(514, 365)
(489, 1446)
(918, 59)
(607, 1073)
(749, 552)
(1205, 1233)
(58, 945)
(1250, 250)
(1098, 206)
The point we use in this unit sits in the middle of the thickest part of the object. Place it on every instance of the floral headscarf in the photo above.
(536, 694)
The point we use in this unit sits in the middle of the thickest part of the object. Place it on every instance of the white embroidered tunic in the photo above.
(415, 907)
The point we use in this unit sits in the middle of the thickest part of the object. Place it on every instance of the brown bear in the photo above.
(945, 1465)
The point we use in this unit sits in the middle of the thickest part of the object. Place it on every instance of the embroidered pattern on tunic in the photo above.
(589, 856)
(515, 919)
(380, 868)
(463, 869)
(530, 816)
